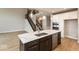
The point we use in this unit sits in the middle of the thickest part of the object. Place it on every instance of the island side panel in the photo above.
(21, 48)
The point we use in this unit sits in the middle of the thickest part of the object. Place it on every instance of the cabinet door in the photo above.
(46, 45)
(54, 40)
(33, 48)
(59, 38)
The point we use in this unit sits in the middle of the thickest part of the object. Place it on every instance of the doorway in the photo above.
(71, 28)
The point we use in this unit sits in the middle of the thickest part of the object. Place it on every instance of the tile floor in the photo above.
(10, 41)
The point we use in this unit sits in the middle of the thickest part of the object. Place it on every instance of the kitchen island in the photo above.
(45, 40)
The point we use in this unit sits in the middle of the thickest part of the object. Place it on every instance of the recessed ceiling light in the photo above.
(64, 8)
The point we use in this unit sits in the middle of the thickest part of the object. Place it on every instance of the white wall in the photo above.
(78, 24)
(27, 26)
(61, 17)
(71, 28)
(11, 19)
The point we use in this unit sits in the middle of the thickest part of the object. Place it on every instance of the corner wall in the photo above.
(71, 28)
(78, 24)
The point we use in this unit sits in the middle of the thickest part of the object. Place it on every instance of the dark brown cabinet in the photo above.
(47, 43)
(59, 38)
(33, 48)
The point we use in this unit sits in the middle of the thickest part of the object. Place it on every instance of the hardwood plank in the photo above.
(68, 44)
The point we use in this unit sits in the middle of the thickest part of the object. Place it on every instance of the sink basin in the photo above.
(40, 34)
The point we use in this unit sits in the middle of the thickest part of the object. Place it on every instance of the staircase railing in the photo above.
(31, 23)
(39, 25)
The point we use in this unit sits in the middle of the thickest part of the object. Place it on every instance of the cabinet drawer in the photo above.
(33, 48)
(29, 44)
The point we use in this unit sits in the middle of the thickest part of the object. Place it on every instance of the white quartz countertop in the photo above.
(27, 37)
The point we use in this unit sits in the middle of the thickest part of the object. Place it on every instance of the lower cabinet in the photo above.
(54, 41)
(47, 43)
(59, 38)
(33, 48)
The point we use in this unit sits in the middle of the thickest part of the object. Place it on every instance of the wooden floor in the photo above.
(10, 42)
(68, 45)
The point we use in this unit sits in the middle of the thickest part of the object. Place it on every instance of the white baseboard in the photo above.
(12, 31)
(71, 37)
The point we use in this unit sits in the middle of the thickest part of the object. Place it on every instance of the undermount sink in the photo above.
(40, 34)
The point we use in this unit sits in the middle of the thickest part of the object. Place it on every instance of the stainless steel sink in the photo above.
(41, 34)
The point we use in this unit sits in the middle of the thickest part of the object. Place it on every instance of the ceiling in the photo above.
(52, 10)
